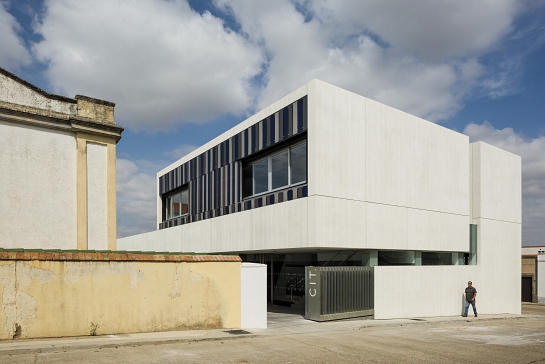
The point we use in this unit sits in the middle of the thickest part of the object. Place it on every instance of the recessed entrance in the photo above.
(526, 289)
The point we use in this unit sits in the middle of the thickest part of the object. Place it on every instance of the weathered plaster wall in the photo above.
(66, 298)
(14, 92)
(92, 109)
(44, 164)
(37, 187)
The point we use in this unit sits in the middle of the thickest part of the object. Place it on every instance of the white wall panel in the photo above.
(97, 197)
(337, 222)
(423, 164)
(488, 181)
(386, 227)
(336, 147)
(512, 187)
(278, 226)
(454, 187)
(454, 232)
(423, 229)
(490, 258)
(452, 291)
(386, 154)
(424, 291)
(37, 188)
(253, 296)
(511, 267)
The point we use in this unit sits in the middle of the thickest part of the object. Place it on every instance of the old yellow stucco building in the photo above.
(57, 169)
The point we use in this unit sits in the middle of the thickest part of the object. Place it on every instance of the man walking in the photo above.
(471, 294)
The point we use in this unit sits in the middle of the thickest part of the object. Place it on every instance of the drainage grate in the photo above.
(237, 332)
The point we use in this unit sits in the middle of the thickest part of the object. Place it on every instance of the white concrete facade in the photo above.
(381, 179)
(253, 296)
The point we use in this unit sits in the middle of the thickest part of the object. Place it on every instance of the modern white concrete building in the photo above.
(57, 169)
(324, 176)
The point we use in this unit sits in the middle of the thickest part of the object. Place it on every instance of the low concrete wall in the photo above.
(429, 291)
(73, 294)
(253, 282)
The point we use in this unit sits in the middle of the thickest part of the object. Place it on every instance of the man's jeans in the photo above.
(467, 307)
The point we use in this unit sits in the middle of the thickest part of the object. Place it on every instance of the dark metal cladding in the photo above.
(213, 178)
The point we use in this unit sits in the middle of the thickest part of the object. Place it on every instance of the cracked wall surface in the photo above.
(67, 298)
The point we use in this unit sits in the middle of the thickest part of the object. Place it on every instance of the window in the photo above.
(282, 169)
(177, 204)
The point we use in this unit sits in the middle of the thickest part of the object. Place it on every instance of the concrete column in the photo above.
(369, 257)
(540, 284)
(417, 258)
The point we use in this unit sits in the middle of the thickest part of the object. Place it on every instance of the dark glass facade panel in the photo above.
(245, 153)
(285, 123)
(396, 257)
(279, 169)
(247, 181)
(436, 258)
(271, 129)
(298, 163)
(261, 176)
(300, 115)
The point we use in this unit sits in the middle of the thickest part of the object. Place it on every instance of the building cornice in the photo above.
(57, 121)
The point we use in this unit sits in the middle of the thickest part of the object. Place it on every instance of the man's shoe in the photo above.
(475, 315)
(464, 315)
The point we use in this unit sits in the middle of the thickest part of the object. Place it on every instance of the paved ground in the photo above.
(291, 339)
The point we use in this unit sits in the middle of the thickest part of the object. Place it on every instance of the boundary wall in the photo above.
(56, 294)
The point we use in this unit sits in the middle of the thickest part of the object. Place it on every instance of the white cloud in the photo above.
(13, 53)
(163, 63)
(532, 152)
(420, 57)
(136, 199)
(159, 61)
(429, 29)
(180, 151)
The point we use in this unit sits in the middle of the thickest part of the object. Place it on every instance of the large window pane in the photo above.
(279, 170)
(176, 205)
(169, 207)
(298, 162)
(261, 176)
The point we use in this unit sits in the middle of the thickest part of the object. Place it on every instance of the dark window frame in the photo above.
(289, 143)
(165, 197)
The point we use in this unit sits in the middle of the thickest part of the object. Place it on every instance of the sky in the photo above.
(182, 72)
